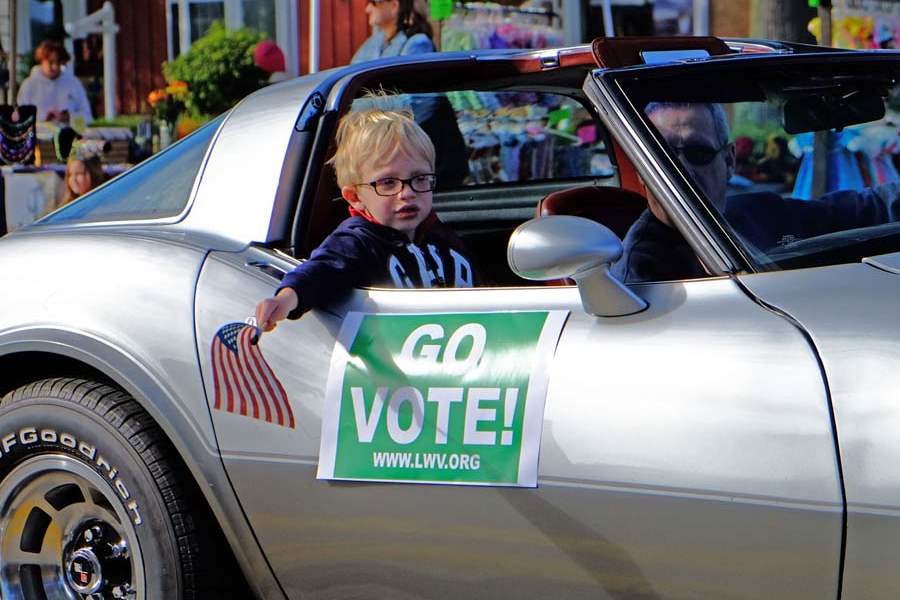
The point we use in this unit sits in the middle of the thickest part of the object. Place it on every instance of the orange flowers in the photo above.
(168, 102)
(157, 96)
(176, 90)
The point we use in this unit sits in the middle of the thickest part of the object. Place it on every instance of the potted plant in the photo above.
(218, 71)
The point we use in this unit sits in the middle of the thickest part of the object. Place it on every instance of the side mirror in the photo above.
(559, 246)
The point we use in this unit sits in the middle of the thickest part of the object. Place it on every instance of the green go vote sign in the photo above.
(454, 398)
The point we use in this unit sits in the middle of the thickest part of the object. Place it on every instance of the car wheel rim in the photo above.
(65, 535)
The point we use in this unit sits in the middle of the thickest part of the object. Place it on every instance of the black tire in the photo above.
(88, 481)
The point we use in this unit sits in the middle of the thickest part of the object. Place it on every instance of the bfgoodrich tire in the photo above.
(91, 499)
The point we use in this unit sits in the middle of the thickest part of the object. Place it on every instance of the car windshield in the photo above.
(798, 158)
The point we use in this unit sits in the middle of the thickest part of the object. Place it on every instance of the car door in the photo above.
(686, 451)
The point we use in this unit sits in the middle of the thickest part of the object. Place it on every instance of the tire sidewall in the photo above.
(27, 430)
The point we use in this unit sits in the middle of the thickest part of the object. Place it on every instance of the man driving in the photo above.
(698, 133)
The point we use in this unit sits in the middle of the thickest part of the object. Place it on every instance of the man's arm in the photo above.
(768, 221)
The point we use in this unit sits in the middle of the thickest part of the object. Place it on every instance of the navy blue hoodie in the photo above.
(360, 253)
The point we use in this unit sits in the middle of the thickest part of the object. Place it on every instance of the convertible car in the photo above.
(708, 409)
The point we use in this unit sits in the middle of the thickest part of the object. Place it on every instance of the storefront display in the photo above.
(519, 137)
(866, 155)
(863, 24)
(476, 25)
(527, 136)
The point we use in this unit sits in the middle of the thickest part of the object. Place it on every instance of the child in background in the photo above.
(82, 175)
(384, 165)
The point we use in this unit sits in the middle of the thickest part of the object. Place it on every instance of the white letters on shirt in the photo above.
(461, 269)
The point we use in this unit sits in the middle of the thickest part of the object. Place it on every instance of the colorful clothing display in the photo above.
(487, 25)
(863, 24)
(858, 157)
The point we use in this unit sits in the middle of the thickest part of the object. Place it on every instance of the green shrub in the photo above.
(218, 69)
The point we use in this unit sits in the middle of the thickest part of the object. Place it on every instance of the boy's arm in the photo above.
(342, 262)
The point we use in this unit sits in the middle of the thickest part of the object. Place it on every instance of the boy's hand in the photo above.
(271, 310)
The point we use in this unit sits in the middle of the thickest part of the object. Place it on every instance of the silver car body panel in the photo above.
(687, 452)
(857, 333)
(152, 357)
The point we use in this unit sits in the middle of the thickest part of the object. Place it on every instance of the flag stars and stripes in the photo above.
(243, 381)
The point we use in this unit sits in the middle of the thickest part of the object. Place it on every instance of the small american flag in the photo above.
(244, 383)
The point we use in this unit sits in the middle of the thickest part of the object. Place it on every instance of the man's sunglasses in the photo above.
(390, 186)
(376, 2)
(698, 155)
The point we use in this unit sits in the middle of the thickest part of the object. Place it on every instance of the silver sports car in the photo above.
(680, 379)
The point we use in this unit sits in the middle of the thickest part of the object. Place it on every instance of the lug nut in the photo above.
(94, 533)
(119, 550)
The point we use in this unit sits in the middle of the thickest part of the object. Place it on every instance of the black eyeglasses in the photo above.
(389, 186)
(698, 155)
(375, 2)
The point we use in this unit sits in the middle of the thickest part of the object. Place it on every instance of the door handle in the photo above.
(268, 268)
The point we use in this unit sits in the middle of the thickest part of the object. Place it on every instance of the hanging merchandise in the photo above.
(528, 136)
(17, 123)
(863, 24)
(859, 157)
(17, 133)
(519, 136)
(476, 25)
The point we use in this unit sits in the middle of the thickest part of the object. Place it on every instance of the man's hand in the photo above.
(271, 310)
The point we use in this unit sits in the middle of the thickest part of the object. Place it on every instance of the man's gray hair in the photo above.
(720, 120)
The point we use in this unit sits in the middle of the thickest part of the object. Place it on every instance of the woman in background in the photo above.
(398, 29)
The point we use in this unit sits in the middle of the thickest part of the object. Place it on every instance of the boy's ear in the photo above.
(349, 193)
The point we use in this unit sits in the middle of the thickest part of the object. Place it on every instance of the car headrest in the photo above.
(614, 207)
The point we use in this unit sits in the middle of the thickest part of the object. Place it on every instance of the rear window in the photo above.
(155, 189)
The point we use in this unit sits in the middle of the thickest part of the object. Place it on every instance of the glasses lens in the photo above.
(388, 186)
(698, 154)
(423, 183)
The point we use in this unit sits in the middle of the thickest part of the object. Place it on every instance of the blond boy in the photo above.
(385, 168)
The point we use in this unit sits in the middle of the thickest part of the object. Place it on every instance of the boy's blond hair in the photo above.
(377, 133)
